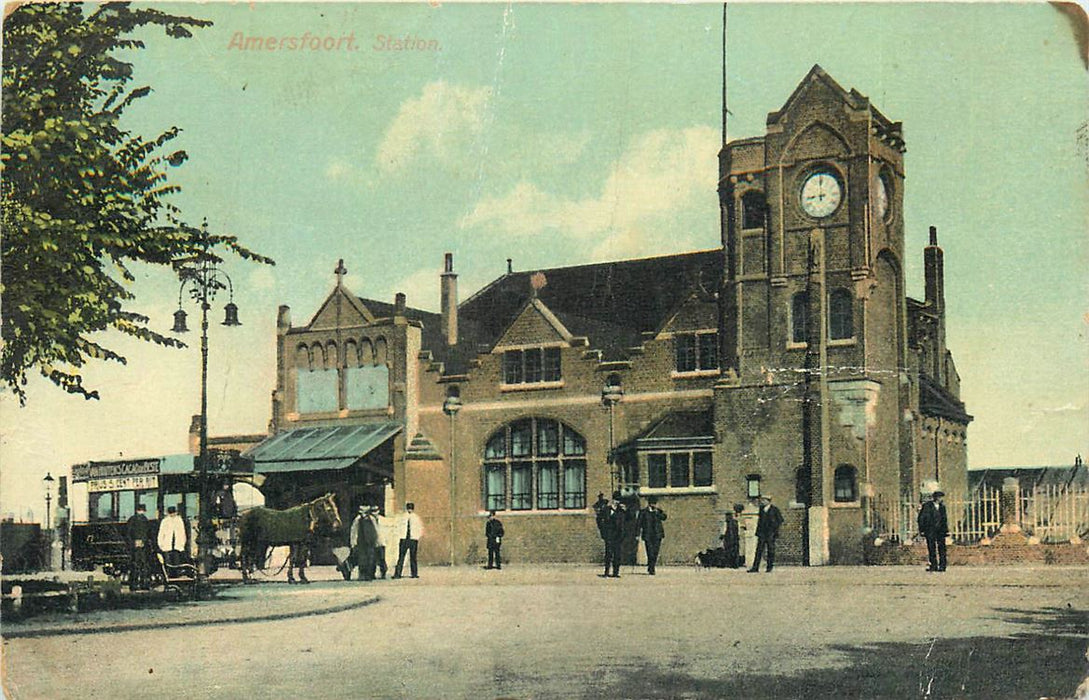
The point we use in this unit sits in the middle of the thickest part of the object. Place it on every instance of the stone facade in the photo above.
(698, 378)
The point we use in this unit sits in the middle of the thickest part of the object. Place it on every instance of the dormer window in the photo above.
(696, 352)
(531, 366)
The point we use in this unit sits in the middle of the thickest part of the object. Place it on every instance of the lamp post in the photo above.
(611, 394)
(48, 558)
(203, 278)
(450, 407)
(48, 501)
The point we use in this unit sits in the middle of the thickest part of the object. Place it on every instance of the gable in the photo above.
(817, 140)
(817, 90)
(341, 309)
(535, 325)
(698, 312)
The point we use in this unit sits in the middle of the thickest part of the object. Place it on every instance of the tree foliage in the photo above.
(83, 198)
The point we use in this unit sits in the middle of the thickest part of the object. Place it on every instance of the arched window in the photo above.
(753, 209)
(840, 314)
(798, 304)
(535, 463)
(845, 484)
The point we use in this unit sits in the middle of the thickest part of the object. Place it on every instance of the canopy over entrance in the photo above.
(320, 448)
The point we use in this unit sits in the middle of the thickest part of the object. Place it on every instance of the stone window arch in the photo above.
(535, 464)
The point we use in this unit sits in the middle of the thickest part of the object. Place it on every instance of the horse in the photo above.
(261, 528)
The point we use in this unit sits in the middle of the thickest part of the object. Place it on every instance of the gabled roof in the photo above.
(853, 98)
(612, 304)
(1075, 476)
(677, 430)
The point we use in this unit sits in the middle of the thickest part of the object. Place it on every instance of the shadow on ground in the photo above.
(1047, 661)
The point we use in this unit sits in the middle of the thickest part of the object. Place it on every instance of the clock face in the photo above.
(821, 194)
(882, 194)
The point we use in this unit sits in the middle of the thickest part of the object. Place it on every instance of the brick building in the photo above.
(703, 378)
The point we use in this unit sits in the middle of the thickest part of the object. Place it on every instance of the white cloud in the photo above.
(661, 175)
(444, 122)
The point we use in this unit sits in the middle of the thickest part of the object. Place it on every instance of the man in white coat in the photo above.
(171, 538)
(409, 531)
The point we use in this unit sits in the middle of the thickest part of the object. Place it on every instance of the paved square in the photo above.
(562, 631)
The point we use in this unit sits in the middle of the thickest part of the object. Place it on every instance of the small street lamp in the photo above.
(450, 407)
(611, 394)
(203, 278)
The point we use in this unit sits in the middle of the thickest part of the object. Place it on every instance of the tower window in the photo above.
(840, 315)
(798, 306)
(845, 484)
(753, 209)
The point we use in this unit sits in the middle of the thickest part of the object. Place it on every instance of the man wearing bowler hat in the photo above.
(652, 530)
(934, 526)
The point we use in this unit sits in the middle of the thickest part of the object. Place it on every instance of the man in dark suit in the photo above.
(652, 530)
(493, 533)
(610, 525)
(138, 530)
(934, 526)
(767, 530)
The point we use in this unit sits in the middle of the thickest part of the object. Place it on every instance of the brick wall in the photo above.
(996, 554)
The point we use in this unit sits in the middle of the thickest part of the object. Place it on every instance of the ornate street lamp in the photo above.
(450, 407)
(203, 278)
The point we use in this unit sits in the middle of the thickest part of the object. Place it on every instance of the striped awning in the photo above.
(324, 448)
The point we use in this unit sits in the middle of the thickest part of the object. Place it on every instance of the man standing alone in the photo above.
(411, 532)
(138, 529)
(493, 533)
(652, 530)
(934, 526)
(767, 529)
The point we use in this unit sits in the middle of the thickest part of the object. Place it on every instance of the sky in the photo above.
(565, 134)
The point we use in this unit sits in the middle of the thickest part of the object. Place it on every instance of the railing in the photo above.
(970, 520)
(1055, 513)
(1051, 513)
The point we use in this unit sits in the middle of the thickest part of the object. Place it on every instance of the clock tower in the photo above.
(813, 313)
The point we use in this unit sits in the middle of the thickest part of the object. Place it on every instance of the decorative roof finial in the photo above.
(537, 281)
(340, 272)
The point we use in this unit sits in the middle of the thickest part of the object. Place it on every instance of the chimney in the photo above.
(449, 292)
(935, 275)
(194, 435)
(934, 264)
(399, 304)
(283, 319)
